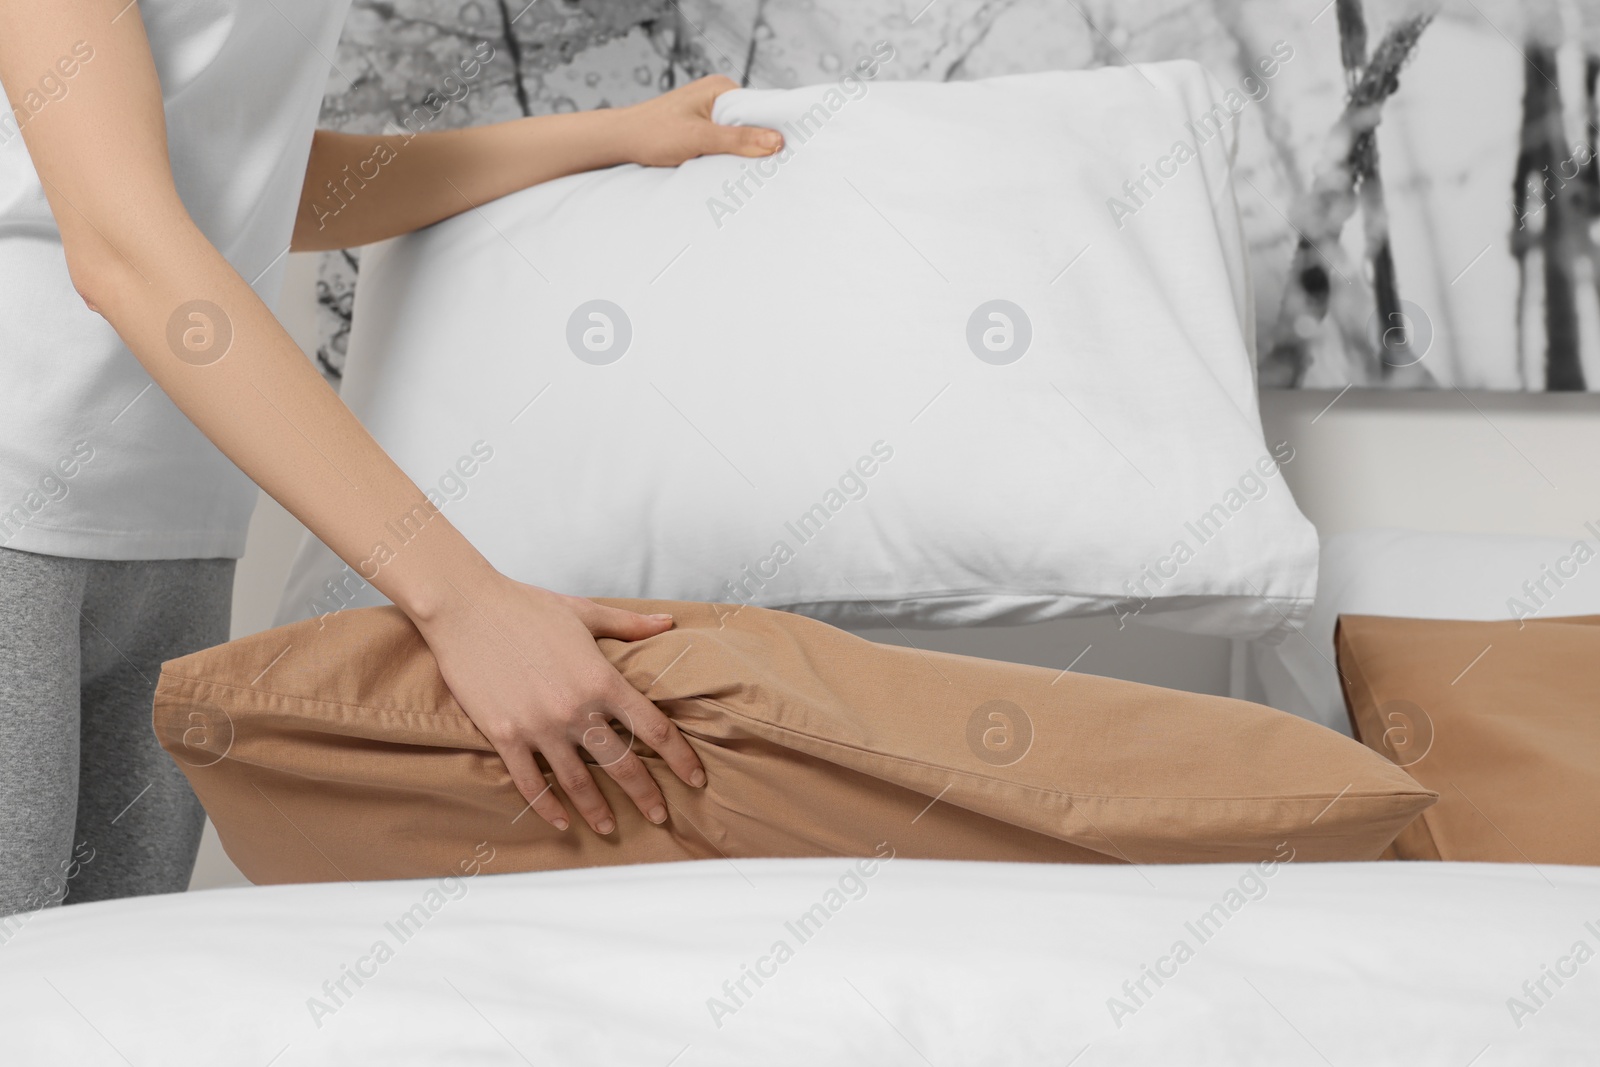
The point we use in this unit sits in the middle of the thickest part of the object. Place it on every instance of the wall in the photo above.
(1434, 461)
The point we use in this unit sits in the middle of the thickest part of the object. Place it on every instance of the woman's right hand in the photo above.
(523, 664)
(521, 661)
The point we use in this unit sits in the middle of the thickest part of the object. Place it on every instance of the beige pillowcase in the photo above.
(1501, 718)
(337, 752)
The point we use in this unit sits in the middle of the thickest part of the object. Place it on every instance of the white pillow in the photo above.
(936, 365)
(1415, 575)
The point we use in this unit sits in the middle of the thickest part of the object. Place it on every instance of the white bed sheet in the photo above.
(933, 964)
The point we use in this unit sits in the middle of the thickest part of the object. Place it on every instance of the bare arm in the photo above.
(360, 189)
(521, 661)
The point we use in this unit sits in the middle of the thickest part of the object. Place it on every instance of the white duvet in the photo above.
(899, 962)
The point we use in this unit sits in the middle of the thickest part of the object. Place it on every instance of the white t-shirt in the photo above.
(95, 461)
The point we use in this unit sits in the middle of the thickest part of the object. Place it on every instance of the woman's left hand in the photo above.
(676, 126)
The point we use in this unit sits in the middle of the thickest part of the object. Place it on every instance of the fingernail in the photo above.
(662, 618)
(560, 824)
(605, 826)
(771, 140)
(658, 814)
(697, 779)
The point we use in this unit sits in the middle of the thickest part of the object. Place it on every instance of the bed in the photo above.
(851, 960)
(917, 962)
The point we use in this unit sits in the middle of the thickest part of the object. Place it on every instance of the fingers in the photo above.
(572, 774)
(650, 724)
(627, 770)
(750, 141)
(531, 784)
(623, 625)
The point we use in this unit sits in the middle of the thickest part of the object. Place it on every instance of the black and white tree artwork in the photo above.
(1418, 180)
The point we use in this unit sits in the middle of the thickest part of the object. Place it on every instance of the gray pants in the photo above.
(91, 807)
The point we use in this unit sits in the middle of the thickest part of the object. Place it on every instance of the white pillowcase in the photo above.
(1416, 575)
(922, 368)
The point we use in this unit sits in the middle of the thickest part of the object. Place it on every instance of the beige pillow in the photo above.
(337, 752)
(1501, 718)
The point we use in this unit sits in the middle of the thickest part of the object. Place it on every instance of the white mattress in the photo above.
(952, 964)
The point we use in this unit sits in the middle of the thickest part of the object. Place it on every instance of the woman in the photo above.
(120, 522)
